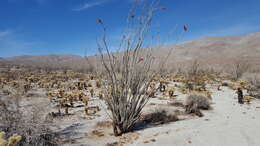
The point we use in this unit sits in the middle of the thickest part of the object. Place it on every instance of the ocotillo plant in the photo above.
(129, 69)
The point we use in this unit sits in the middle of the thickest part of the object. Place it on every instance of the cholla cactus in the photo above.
(171, 92)
(12, 141)
(85, 101)
(61, 92)
(100, 95)
(61, 103)
(162, 86)
(98, 84)
(183, 90)
(92, 92)
(248, 98)
(80, 95)
(71, 100)
(244, 84)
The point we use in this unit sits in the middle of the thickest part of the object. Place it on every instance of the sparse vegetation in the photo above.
(73, 95)
(31, 125)
(194, 103)
(160, 116)
(133, 91)
(11, 141)
(239, 68)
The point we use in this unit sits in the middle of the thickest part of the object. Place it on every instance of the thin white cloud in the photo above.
(5, 33)
(88, 5)
(236, 29)
(13, 43)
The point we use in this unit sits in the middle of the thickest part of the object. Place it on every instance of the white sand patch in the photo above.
(228, 124)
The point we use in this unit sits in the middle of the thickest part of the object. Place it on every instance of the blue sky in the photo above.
(36, 27)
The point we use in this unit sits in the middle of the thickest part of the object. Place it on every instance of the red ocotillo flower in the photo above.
(163, 8)
(131, 15)
(140, 59)
(185, 27)
(99, 21)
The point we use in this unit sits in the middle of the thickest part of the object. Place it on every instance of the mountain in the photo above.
(75, 62)
(215, 50)
(209, 50)
(44, 59)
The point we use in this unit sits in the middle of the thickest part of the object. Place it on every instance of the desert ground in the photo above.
(228, 123)
(165, 120)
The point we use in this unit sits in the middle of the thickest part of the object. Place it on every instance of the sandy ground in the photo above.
(227, 124)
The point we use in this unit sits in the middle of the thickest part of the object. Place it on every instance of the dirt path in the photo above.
(228, 124)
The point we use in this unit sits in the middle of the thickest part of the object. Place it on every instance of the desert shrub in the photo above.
(239, 68)
(114, 144)
(11, 141)
(254, 79)
(206, 94)
(176, 104)
(30, 124)
(196, 102)
(158, 117)
(254, 92)
(224, 84)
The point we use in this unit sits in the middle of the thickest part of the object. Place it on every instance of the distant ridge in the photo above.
(211, 50)
(43, 59)
(215, 49)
